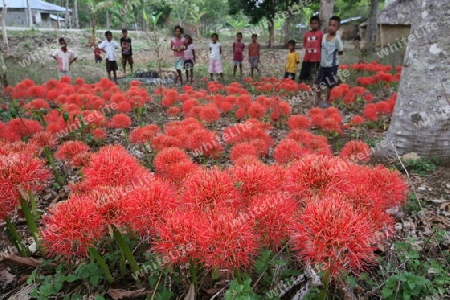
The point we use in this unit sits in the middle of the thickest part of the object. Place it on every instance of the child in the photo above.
(238, 53)
(109, 47)
(98, 53)
(65, 58)
(292, 61)
(215, 50)
(329, 64)
(189, 58)
(312, 42)
(357, 42)
(178, 46)
(127, 52)
(254, 54)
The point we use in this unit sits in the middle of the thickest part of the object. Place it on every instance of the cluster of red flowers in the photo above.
(373, 111)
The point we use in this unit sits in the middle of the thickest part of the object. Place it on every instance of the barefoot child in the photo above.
(215, 50)
(312, 43)
(292, 61)
(238, 53)
(127, 51)
(178, 46)
(65, 58)
(109, 47)
(254, 55)
(189, 58)
(332, 46)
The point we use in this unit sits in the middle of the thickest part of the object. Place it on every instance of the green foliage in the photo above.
(405, 285)
(244, 291)
(421, 166)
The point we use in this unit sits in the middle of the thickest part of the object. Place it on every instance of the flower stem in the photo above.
(102, 264)
(125, 250)
(324, 292)
(51, 161)
(30, 218)
(16, 238)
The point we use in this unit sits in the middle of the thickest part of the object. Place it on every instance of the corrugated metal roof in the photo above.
(56, 18)
(35, 4)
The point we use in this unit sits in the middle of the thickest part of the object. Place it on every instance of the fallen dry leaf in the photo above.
(23, 261)
(191, 293)
(118, 294)
(6, 278)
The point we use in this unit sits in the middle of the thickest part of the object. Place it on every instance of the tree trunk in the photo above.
(4, 32)
(372, 26)
(421, 118)
(30, 17)
(325, 13)
(108, 25)
(287, 30)
(67, 15)
(75, 14)
(271, 32)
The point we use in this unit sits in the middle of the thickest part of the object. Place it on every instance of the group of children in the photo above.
(184, 52)
(321, 56)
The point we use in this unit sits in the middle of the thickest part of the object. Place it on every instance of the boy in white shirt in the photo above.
(215, 50)
(65, 58)
(109, 47)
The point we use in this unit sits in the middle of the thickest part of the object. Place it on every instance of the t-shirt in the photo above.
(253, 49)
(110, 49)
(125, 42)
(214, 51)
(330, 51)
(238, 51)
(312, 42)
(98, 52)
(63, 58)
(188, 54)
(292, 61)
(176, 44)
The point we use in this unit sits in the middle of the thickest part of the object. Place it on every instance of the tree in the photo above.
(4, 32)
(325, 13)
(67, 15)
(75, 14)
(421, 118)
(372, 25)
(30, 18)
(196, 14)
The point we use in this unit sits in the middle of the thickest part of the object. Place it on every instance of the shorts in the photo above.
(179, 63)
(237, 62)
(215, 66)
(62, 74)
(327, 76)
(98, 59)
(127, 58)
(111, 65)
(289, 75)
(309, 70)
(253, 62)
(188, 64)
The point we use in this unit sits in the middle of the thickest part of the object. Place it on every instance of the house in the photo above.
(349, 27)
(43, 14)
(395, 20)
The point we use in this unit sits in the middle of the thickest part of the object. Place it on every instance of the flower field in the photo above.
(197, 191)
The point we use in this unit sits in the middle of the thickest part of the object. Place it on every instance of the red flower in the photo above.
(210, 189)
(368, 98)
(37, 104)
(44, 139)
(99, 134)
(274, 215)
(332, 234)
(356, 151)
(298, 122)
(68, 150)
(242, 149)
(357, 120)
(383, 108)
(143, 207)
(288, 150)
(71, 228)
(120, 121)
(173, 111)
(370, 112)
(256, 110)
(124, 106)
(141, 135)
(114, 166)
(24, 127)
(210, 113)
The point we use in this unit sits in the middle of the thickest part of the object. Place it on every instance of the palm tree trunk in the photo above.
(75, 14)
(4, 32)
(372, 26)
(67, 15)
(421, 119)
(108, 25)
(271, 25)
(325, 12)
(30, 17)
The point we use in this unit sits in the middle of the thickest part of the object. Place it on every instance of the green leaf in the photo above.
(386, 292)
(71, 278)
(164, 295)
(99, 297)
(94, 280)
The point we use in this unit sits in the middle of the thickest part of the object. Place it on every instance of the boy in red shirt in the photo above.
(98, 53)
(312, 42)
(238, 53)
